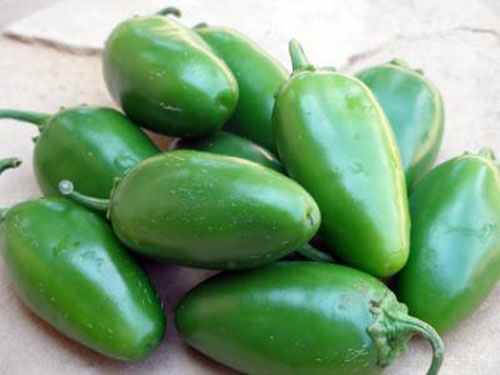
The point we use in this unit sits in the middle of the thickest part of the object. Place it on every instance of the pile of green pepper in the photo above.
(266, 162)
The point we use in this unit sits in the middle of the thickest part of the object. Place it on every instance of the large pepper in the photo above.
(335, 140)
(90, 146)
(415, 111)
(166, 78)
(455, 240)
(297, 318)
(68, 267)
(205, 210)
(259, 75)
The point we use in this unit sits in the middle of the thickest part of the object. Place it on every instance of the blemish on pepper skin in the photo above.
(310, 217)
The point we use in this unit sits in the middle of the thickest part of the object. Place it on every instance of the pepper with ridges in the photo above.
(455, 240)
(68, 267)
(166, 78)
(90, 146)
(201, 209)
(334, 139)
(296, 318)
(415, 111)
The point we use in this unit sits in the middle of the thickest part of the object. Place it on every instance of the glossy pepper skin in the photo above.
(68, 267)
(455, 241)
(200, 209)
(334, 139)
(166, 78)
(90, 146)
(415, 111)
(259, 75)
(224, 143)
(297, 318)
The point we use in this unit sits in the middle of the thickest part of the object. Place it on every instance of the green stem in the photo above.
(200, 25)
(9, 163)
(405, 65)
(309, 252)
(170, 11)
(418, 327)
(392, 327)
(487, 153)
(4, 165)
(36, 118)
(298, 56)
(66, 188)
(400, 63)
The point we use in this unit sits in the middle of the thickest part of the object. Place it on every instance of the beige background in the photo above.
(49, 57)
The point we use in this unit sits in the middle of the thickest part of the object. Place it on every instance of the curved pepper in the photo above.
(295, 318)
(166, 78)
(91, 146)
(334, 139)
(455, 240)
(205, 210)
(415, 111)
(68, 267)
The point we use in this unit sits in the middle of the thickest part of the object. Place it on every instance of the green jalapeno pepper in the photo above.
(414, 109)
(334, 139)
(166, 78)
(68, 267)
(296, 318)
(90, 146)
(259, 75)
(205, 210)
(455, 240)
(232, 145)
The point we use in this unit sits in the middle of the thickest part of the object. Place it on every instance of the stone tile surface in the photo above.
(51, 59)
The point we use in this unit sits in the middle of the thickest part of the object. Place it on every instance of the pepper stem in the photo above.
(399, 62)
(67, 189)
(170, 11)
(393, 327)
(298, 56)
(4, 165)
(416, 326)
(200, 25)
(487, 153)
(9, 163)
(309, 252)
(36, 118)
